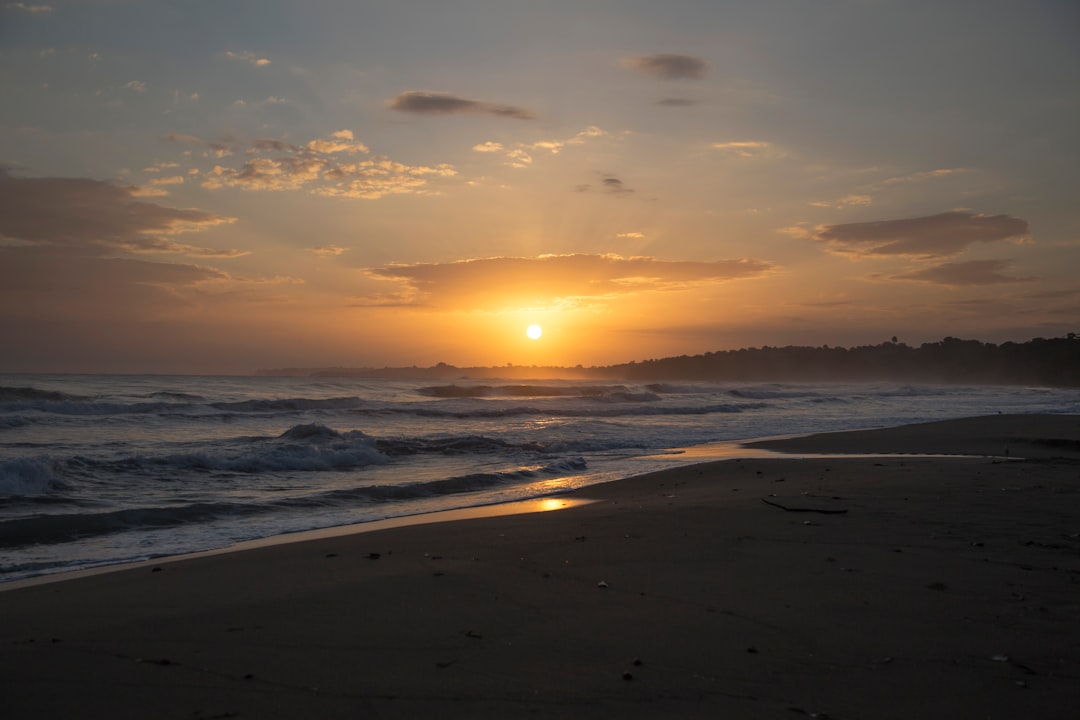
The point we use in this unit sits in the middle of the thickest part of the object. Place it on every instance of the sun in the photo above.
(534, 332)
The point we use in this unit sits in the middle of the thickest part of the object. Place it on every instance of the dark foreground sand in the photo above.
(931, 588)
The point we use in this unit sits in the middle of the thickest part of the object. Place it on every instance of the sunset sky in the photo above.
(224, 186)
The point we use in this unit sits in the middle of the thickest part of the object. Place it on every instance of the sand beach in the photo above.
(784, 587)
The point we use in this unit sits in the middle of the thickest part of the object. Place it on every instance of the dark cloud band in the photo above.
(669, 67)
(430, 103)
(973, 272)
(940, 235)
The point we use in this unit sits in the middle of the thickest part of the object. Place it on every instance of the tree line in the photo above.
(1047, 362)
(1041, 361)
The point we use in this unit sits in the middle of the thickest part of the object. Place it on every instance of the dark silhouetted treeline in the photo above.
(1053, 362)
(1049, 362)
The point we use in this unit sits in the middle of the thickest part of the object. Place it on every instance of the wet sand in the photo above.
(899, 587)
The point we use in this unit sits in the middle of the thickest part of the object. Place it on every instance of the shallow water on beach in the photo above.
(104, 469)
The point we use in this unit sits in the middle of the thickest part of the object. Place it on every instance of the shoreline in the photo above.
(783, 446)
(815, 445)
(755, 588)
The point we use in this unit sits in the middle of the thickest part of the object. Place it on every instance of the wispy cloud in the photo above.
(974, 272)
(136, 86)
(866, 193)
(328, 251)
(518, 156)
(922, 176)
(159, 166)
(941, 235)
(168, 246)
(436, 103)
(556, 146)
(852, 200)
(29, 8)
(630, 235)
(549, 279)
(668, 66)
(746, 148)
(248, 57)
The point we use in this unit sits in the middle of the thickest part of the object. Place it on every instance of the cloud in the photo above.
(609, 184)
(169, 180)
(328, 251)
(369, 179)
(434, 103)
(844, 202)
(501, 282)
(556, 146)
(147, 192)
(588, 133)
(746, 148)
(288, 173)
(669, 67)
(248, 57)
(29, 8)
(630, 235)
(340, 142)
(322, 166)
(220, 149)
(867, 192)
(552, 146)
(136, 86)
(940, 235)
(921, 176)
(166, 246)
(159, 166)
(614, 185)
(87, 214)
(518, 157)
(41, 282)
(263, 144)
(64, 245)
(974, 272)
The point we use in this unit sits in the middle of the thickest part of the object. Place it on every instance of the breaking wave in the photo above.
(28, 476)
(67, 527)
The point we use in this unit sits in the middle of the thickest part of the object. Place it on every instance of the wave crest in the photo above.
(67, 527)
(28, 476)
(289, 404)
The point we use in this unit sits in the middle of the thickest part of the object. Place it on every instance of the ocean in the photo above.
(97, 470)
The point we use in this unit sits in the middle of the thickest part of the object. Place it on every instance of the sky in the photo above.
(217, 187)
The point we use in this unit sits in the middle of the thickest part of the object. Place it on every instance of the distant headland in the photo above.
(1051, 362)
